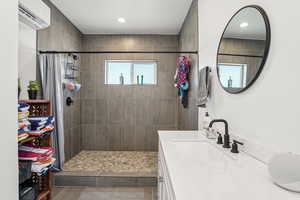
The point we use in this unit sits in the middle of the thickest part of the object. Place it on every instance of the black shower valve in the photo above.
(69, 101)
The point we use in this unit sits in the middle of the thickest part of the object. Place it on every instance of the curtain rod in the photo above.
(111, 52)
(239, 55)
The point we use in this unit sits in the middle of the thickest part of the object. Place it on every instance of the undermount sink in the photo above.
(203, 151)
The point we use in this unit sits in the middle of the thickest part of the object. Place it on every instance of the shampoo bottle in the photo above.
(142, 79)
(121, 79)
(229, 82)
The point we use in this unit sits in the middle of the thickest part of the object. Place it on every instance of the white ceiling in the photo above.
(256, 29)
(142, 16)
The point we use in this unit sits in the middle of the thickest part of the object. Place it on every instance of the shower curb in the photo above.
(105, 181)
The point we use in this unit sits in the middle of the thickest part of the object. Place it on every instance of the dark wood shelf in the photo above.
(43, 195)
(34, 101)
(31, 139)
(27, 140)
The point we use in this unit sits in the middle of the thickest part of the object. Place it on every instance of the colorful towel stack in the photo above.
(32, 126)
(24, 124)
(41, 157)
(41, 125)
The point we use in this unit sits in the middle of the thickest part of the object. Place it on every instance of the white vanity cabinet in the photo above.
(165, 190)
(192, 167)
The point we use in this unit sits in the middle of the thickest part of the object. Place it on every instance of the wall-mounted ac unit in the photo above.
(34, 13)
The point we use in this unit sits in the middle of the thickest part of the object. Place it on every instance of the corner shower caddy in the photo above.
(71, 68)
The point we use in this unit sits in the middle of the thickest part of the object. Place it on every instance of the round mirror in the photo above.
(243, 49)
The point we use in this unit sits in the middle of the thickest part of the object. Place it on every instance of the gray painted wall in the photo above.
(63, 35)
(257, 115)
(8, 84)
(127, 117)
(188, 41)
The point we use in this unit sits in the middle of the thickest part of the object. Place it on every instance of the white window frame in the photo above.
(132, 63)
(243, 72)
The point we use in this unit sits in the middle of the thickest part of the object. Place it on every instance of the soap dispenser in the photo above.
(210, 132)
(206, 121)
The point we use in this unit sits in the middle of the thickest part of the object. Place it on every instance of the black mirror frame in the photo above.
(266, 52)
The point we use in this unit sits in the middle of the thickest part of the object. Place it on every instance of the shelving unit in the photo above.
(40, 108)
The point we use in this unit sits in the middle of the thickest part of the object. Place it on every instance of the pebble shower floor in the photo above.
(113, 162)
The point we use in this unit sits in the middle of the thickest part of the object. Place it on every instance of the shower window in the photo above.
(130, 72)
(233, 75)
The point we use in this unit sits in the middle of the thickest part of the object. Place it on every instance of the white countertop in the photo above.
(206, 171)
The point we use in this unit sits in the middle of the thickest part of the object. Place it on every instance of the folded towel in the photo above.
(35, 149)
(204, 87)
(42, 167)
(22, 136)
(23, 115)
(33, 153)
(42, 131)
(38, 123)
(40, 120)
(23, 107)
(27, 155)
(23, 124)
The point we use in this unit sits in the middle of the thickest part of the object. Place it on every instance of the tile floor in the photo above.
(85, 193)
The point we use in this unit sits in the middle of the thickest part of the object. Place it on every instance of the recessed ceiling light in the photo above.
(244, 25)
(121, 20)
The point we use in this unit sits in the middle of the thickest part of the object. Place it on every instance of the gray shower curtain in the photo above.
(51, 74)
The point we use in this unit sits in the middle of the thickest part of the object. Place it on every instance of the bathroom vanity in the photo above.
(192, 167)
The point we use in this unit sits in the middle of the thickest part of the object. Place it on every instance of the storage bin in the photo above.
(27, 193)
(24, 171)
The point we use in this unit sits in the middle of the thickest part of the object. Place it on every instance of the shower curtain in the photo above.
(51, 74)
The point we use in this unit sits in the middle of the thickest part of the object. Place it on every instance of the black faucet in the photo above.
(235, 148)
(226, 135)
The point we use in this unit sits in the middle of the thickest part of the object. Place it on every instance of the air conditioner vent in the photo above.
(31, 14)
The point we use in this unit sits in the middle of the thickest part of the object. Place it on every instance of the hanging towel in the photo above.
(182, 71)
(203, 87)
(182, 78)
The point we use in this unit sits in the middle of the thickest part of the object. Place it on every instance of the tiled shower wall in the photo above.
(188, 41)
(106, 117)
(127, 118)
(62, 35)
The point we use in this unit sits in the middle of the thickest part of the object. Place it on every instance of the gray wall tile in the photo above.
(188, 41)
(89, 135)
(63, 35)
(127, 117)
(101, 112)
(88, 111)
(88, 181)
